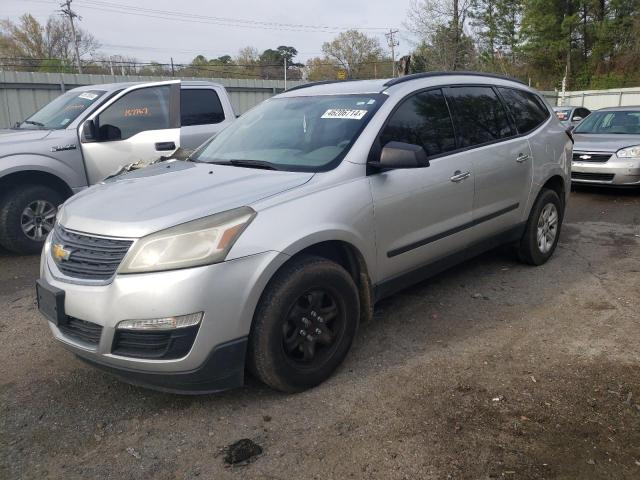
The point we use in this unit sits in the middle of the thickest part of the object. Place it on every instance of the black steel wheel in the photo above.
(304, 324)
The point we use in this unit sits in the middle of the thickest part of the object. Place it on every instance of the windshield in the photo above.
(563, 114)
(62, 111)
(297, 133)
(616, 122)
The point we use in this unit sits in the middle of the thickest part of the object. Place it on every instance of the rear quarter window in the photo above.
(527, 109)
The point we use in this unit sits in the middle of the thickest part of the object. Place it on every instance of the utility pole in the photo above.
(285, 72)
(173, 71)
(393, 43)
(65, 8)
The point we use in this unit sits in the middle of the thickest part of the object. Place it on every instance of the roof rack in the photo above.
(313, 84)
(415, 76)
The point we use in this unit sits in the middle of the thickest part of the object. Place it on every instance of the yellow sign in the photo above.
(342, 75)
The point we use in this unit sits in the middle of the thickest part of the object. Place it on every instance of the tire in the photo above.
(13, 208)
(289, 318)
(530, 249)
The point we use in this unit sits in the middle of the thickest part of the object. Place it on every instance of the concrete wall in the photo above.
(22, 93)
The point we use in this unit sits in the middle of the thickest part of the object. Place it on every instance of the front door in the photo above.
(140, 124)
(420, 213)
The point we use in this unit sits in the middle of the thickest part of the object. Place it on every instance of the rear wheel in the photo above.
(304, 324)
(543, 229)
(27, 215)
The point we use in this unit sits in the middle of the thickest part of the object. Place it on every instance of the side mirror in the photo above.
(89, 131)
(402, 155)
(576, 119)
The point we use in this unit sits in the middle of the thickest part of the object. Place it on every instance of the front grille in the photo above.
(93, 258)
(600, 177)
(82, 330)
(159, 344)
(593, 157)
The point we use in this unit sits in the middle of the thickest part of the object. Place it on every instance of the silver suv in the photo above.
(269, 246)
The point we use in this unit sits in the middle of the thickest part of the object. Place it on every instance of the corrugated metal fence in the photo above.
(595, 99)
(22, 93)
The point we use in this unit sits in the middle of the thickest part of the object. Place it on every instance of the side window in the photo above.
(480, 115)
(581, 112)
(138, 111)
(200, 107)
(527, 109)
(422, 119)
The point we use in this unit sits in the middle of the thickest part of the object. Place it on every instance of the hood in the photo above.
(17, 136)
(170, 193)
(585, 142)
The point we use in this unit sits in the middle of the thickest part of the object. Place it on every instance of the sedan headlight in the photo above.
(199, 242)
(629, 152)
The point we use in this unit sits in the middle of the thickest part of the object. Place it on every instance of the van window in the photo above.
(480, 115)
(138, 111)
(422, 119)
(527, 109)
(200, 106)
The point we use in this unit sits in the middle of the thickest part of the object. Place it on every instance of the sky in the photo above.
(214, 28)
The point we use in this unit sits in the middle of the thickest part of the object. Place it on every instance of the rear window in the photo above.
(527, 109)
(200, 107)
(481, 117)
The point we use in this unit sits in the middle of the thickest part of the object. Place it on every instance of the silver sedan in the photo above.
(607, 148)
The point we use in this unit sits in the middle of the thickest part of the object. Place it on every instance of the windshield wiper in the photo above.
(32, 122)
(250, 164)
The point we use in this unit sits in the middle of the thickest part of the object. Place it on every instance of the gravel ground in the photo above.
(490, 370)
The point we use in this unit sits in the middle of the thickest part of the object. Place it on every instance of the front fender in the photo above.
(61, 169)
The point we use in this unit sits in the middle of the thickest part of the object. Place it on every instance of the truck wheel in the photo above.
(304, 324)
(543, 229)
(27, 215)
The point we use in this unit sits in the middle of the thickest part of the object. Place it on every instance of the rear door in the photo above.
(421, 213)
(501, 160)
(140, 124)
(202, 115)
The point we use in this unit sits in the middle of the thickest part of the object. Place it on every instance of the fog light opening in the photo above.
(165, 323)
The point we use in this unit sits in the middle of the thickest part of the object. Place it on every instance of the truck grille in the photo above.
(82, 330)
(598, 177)
(91, 258)
(593, 157)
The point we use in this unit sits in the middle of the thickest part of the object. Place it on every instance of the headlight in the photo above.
(199, 242)
(629, 152)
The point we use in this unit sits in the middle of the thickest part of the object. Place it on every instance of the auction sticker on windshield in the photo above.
(344, 113)
(88, 96)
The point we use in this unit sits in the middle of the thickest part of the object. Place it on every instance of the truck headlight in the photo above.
(199, 242)
(629, 152)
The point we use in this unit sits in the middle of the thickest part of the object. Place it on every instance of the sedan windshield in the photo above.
(62, 111)
(295, 133)
(613, 122)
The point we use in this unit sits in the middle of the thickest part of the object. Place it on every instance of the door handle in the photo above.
(164, 146)
(458, 176)
(522, 158)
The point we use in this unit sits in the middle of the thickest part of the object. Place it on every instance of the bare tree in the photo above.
(433, 20)
(28, 39)
(354, 52)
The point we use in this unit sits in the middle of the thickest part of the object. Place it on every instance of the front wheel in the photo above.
(304, 324)
(27, 215)
(543, 229)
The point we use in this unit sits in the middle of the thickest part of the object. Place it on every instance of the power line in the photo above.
(171, 15)
(393, 43)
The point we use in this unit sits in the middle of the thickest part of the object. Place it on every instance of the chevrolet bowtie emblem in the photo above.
(585, 157)
(60, 253)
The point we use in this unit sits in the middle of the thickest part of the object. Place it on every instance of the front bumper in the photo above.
(226, 292)
(615, 172)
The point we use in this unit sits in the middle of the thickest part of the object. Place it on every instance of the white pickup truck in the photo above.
(89, 133)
